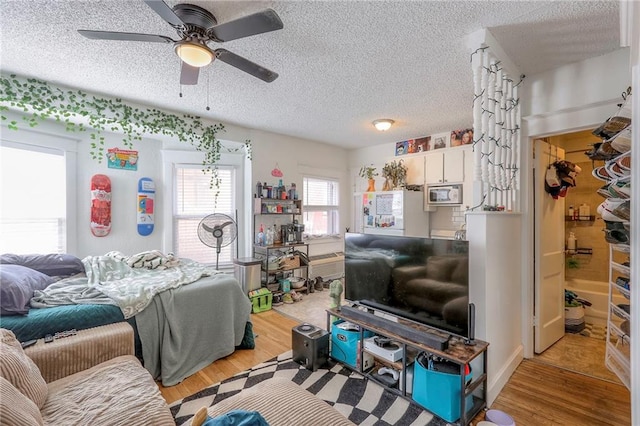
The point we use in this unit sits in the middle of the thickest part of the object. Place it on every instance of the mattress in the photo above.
(40, 322)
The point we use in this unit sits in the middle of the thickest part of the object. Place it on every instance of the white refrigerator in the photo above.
(391, 213)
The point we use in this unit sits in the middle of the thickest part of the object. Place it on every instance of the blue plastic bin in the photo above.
(345, 344)
(439, 392)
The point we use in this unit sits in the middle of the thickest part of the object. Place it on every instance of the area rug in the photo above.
(360, 400)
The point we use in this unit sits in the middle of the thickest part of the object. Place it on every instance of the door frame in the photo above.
(540, 128)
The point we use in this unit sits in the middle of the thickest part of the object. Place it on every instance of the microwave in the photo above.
(444, 194)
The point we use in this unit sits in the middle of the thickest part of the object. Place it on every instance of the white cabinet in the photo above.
(444, 167)
(415, 169)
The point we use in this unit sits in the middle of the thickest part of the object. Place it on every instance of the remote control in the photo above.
(28, 343)
(48, 338)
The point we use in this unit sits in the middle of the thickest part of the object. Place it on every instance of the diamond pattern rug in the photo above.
(362, 401)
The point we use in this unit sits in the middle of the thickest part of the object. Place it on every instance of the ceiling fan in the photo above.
(197, 27)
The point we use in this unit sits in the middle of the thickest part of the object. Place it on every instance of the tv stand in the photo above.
(415, 338)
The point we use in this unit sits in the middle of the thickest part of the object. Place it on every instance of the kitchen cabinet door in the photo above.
(415, 169)
(433, 168)
(453, 166)
(444, 167)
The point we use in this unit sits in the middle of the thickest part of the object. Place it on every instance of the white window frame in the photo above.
(44, 142)
(324, 208)
(171, 158)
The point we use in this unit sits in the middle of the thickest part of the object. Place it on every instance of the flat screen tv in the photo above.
(420, 279)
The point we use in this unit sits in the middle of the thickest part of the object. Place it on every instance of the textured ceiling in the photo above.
(342, 64)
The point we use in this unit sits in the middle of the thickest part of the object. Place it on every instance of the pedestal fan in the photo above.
(217, 230)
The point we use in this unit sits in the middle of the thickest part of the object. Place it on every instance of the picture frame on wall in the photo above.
(422, 144)
(439, 141)
(402, 147)
(461, 137)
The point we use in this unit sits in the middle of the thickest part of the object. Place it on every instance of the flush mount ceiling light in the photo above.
(383, 124)
(194, 54)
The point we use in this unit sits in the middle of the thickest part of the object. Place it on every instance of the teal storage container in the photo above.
(345, 344)
(439, 392)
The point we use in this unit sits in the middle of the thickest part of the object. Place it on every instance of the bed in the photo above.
(186, 315)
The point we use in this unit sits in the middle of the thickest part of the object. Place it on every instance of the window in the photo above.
(193, 200)
(320, 212)
(33, 209)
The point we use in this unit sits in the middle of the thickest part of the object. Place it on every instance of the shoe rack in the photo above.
(618, 343)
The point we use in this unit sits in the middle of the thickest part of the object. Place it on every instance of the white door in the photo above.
(549, 253)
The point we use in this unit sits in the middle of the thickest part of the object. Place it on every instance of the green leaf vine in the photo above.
(41, 101)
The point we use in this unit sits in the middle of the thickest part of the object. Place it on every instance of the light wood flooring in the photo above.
(537, 394)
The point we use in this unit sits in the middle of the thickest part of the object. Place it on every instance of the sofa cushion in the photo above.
(19, 370)
(116, 392)
(17, 284)
(273, 399)
(53, 264)
(15, 408)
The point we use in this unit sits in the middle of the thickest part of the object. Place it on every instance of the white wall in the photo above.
(494, 288)
(294, 157)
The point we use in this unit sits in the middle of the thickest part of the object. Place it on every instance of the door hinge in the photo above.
(535, 321)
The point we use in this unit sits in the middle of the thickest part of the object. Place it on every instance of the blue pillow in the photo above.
(54, 264)
(17, 284)
(237, 418)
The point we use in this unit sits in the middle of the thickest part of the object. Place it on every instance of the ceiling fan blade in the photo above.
(257, 23)
(189, 74)
(246, 65)
(165, 12)
(112, 35)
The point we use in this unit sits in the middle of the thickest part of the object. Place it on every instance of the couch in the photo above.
(118, 391)
(281, 402)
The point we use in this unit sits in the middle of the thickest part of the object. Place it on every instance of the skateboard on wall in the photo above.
(146, 197)
(100, 205)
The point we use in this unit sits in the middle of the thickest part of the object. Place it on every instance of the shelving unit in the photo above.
(281, 272)
(457, 353)
(618, 353)
(281, 211)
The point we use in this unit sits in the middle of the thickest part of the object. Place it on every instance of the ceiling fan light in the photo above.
(194, 54)
(383, 124)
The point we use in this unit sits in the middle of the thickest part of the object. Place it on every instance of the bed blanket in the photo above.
(110, 280)
(187, 328)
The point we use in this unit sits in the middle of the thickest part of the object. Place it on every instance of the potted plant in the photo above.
(395, 174)
(369, 172)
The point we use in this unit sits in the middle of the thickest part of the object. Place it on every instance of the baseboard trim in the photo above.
(500, 379)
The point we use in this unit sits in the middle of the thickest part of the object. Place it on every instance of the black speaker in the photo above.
(310, 346)
(472, 325)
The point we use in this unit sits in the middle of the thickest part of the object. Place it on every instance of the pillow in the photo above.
(54, 264)
(19, 370)
(17, 284)
(15, 408)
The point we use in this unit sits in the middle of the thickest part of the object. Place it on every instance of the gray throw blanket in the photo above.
(187, 328)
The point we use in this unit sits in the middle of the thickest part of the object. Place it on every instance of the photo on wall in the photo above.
(439, 141)
(422, 144)
(461, 137)
(401, 147)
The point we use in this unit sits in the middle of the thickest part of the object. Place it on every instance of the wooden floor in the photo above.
(537, 394)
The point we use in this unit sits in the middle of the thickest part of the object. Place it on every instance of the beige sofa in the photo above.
(114, 392)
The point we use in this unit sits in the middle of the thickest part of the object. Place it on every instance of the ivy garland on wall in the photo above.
(41, 101)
